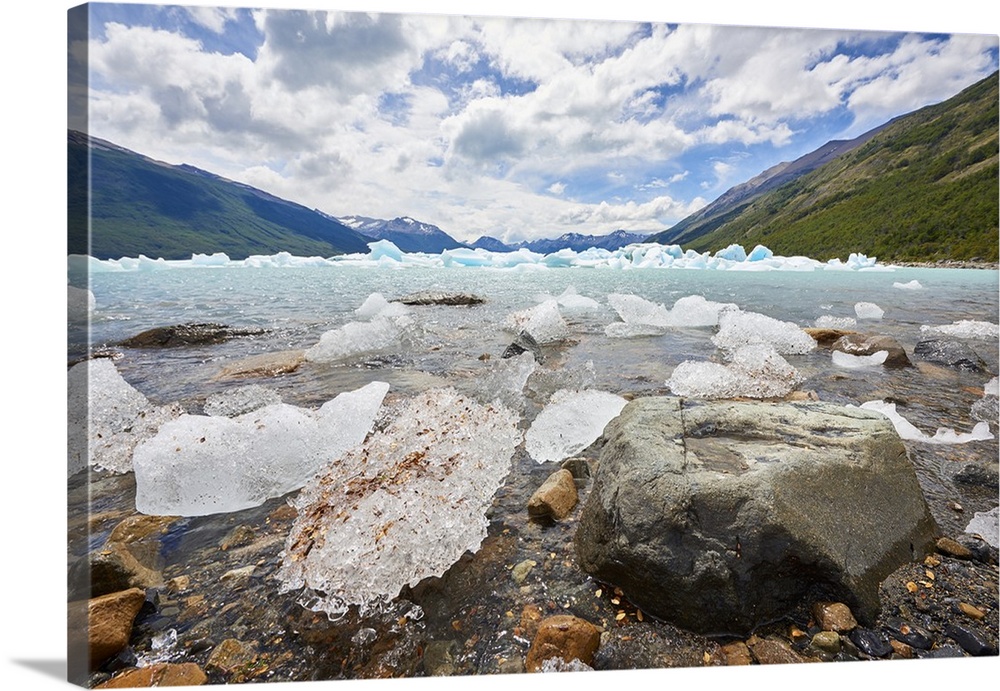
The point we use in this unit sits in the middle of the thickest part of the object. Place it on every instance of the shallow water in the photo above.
(448, 347)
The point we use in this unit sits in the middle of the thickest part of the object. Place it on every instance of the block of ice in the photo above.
(967, 328)
(755, 371)
(544, 322)
(375, 305)
(240, 400)
(198, 465)
(848, 361)
(734, 253)
(111, 415)
(828, 321)
(738, 329)
(386, 249)
(910, 285)
(694, 310)
(571, 300)
(504, 380)
(571, 422)
(388, 324)
(868, 310)
(944, 435)
(759, 253)
(404, 506)
(986, 524)
(639, 312)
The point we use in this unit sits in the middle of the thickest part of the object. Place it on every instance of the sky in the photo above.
(511, 127)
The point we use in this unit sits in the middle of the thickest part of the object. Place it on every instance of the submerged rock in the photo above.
(721, 516)
(162, 674)
(180, 335)
(263, 365)
(555, 498)
(863, 345)
(436, 297)
(566, 637)
(524, 343)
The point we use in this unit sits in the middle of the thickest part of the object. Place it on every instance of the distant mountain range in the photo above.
(573, 241)
(405, 233)
(922, 187)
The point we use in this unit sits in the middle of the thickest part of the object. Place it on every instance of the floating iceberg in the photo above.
(388, 323)
(544, 322)
(848, 361)
(637, 256)
(967, 328)
(830, 322)
(570, 422)
(754, 371)
(111, 414)
(738, 329)
(868, 310)
(911, 285)
(944, 435)
(198, 465)
(404, 506)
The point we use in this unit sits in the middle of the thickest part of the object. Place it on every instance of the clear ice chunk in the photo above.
(387, 325)
(966, 328)
(544, 322)
(198, 465)
(738, 329)
(868, 310)
(571, 422)
(910, 285)
(944, 435)
(404, 506)
(641, 317)
(754, 371)
(986, 524)
(828, 321)
(111, 414)
(848, 361)
(504, 380)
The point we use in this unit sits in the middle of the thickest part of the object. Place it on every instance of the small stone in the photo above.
(229, 655)
(833, 616)
(521, 570)
(910, 634)
(946, 545)
(971, 611)
(579, 467)
(944, 651)
(555, 498)
(163, 674)
(773, 651)
(871, 643)
(827, 642)
(263, 365)
(566, 637)
(238, 574)
(901, 649)
(179, 584)
(736, 653)
(531, 616)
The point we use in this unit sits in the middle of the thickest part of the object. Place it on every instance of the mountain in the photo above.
(142, 206)
(922, 187)
(573, 241)
(405, 233)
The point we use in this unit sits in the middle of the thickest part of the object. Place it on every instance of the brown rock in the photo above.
(827, 642)
(531, 616)
(946, 545)
(736, 653)
(826, 337)
(860, 344)
(773, 651)
(971, 611)
(163, 674)
(237, 537)
(901, 649)
(833, 616)
(555, 498)
(133, 549)
(263, 365)
(181, 335)
(230, 655)
(564, 636)
(110, 620)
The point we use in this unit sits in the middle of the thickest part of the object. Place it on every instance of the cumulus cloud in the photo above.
(212, 18)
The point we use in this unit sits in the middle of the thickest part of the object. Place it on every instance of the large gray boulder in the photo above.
(722, 516)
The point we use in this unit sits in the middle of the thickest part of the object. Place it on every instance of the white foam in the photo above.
(868, 310)
(966, 328)
(571, 422)
(198, 465)
(944, 435)
(848, 361)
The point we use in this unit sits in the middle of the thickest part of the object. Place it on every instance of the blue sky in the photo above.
(516, 128)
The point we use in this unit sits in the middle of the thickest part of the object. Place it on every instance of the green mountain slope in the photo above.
(924, 187)
(141, 206)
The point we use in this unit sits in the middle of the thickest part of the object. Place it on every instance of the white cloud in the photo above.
(557, 188)
(212, 18)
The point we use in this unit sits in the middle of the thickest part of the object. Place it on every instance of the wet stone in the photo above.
(555, 498)
(827, 642)
(566, 637)
(833, 616)
(901, 649)
(521, 570)
(910, 634)
(736, 653)
(946, 545)
(971, 611)
(164, 674)
(871, 643)
(950, 353)
(980, 474)
(439, 658)
(972, 642)
(229, 656)
(773, 651)
(944, 651)
(181, 335)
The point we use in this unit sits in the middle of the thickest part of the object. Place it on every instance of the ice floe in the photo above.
(944, 435)
(404, 506)
(197, 464)
(910, 285)
(642, 317)
(571, 422)
(544, 322)
(966, 328)
(738, 329)
(386, 325)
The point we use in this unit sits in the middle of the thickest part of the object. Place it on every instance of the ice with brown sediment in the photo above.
(405, 505)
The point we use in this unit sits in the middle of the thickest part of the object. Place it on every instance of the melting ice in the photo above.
(944, 435)
(570, 422)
